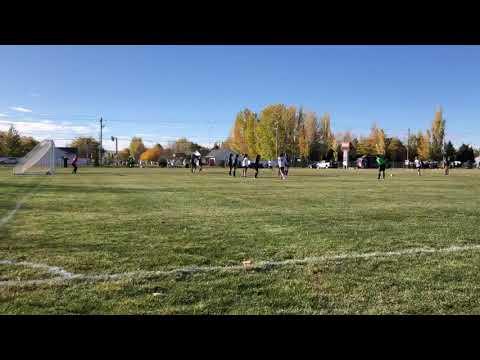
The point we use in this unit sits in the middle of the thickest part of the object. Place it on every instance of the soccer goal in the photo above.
(39, 161)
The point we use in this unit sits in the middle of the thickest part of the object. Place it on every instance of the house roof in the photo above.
(220, 153)
(65, 151)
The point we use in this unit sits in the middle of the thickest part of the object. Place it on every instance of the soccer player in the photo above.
(245, 165)
(74, 164)
(381, 166)
(287, 164)
(257, 165)
(235, 164)
(281, 166)
(199, 163)
(418, 165)
(446, 166)
(230, 164)
(193, 165)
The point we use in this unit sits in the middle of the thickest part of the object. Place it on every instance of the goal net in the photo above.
(39, 161)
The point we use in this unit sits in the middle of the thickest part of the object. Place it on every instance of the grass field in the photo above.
(117, 221)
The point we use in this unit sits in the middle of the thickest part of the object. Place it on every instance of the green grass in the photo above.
(121, 220)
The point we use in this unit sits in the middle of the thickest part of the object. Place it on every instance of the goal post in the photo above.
(39, 161)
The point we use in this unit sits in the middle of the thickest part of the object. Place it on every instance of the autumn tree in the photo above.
(423, 145)
(183, 145)
(377, 140)
(227, 144)
(87, 147)
(270, 131)
(239, 131)
(310, 130)
(303, 145)
(395, 150)
(412, 145)
(364, 146)
(124, 154)
(437, 136)
(11, 142)
(136, 147)
(327, 138)
(152, 154)
(290, 127)
(27, 143)
(250, 137)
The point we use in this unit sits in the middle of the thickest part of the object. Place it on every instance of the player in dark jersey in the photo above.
(446, 166)
(257, 165)
(381, 166)
(74, 164)
(235, 164)
(230, 164)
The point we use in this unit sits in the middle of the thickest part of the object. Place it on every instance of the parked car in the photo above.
(8, 161)
(323, 165)
(468, 164)
(261, 165)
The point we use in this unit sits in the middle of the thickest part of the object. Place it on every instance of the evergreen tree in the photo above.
(450, 151)
(465, 153)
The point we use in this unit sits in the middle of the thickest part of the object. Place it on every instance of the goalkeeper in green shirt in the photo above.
(381, 166)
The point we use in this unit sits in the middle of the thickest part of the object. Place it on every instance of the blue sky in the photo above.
(164, 92)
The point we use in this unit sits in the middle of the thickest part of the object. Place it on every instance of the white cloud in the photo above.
(21, 109)
(3, 115)
(48, 129)
(35, 94)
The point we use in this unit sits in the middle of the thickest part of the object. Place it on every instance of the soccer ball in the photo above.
(391, 175)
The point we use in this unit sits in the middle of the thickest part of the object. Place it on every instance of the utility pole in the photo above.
(101, 138)
(114, 138)
(276, 139)
(443, 144)
(408, 145)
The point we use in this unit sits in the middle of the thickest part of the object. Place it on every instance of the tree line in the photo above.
(304, 135)
(278, 129)
(12, 144)
(88, 147)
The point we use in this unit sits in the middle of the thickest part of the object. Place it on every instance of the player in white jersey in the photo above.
(245, 165)
(418, 165)
(281, 166)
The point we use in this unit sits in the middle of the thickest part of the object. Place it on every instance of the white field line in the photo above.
(54, 270)
(4, 220)
(64, 276)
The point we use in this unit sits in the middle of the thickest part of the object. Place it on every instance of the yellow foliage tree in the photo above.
(377, 140)
(239, 135)
(152, 154)
(423, 145)
(437, 135)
